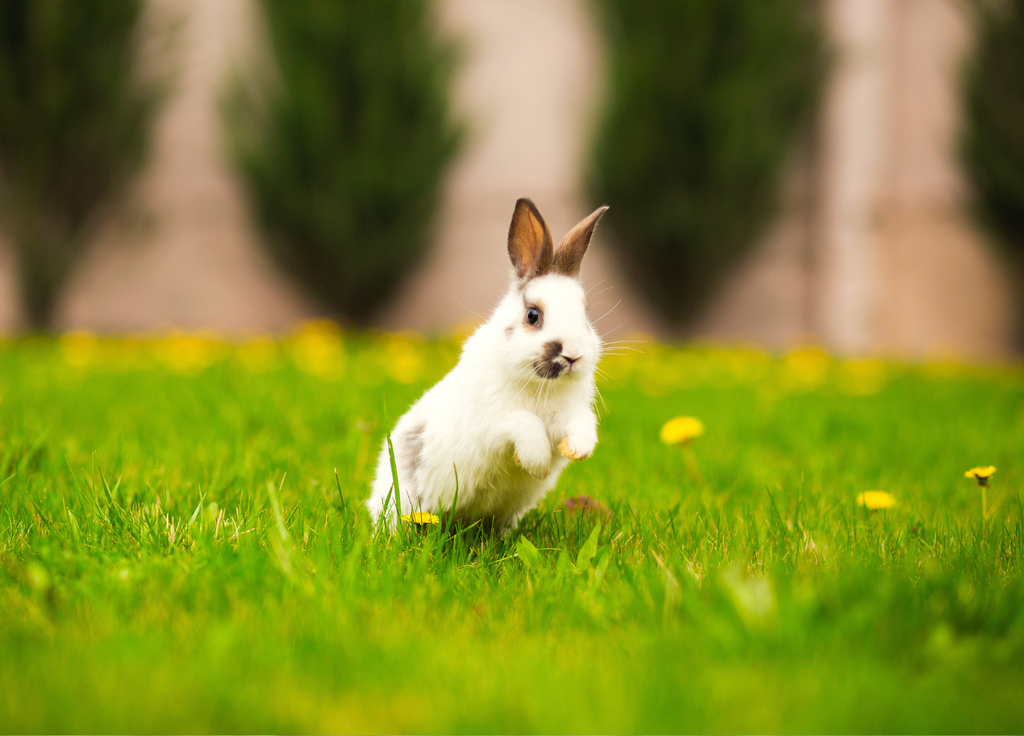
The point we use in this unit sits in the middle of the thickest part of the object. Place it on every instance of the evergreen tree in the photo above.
(343, 152)
(74, 127)
(707, 99)
(993, 142)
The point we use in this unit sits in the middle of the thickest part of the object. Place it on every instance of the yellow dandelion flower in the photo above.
(981, 474)
(401, 356)
(875, 500)
(421, 517)
(318, 348)
(189, 353)
(806, 368)
(681, 430)
(79, 348)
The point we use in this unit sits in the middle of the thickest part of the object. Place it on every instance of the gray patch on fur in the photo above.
(550, 364)
(509, 330)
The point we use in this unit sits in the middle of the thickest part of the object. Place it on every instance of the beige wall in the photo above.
(185, 254)
(874, 250)
(871, 252)
(900, 266)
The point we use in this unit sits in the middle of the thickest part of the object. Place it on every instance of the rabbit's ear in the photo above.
(569, 253)
(529, 242)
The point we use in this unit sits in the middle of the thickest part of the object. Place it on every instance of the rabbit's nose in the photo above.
(570, 361)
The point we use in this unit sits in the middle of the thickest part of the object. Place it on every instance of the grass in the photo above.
(177, 553)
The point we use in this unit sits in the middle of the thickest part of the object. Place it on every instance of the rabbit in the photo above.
(519, 404)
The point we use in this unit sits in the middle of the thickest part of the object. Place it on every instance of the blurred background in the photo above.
(848, 173)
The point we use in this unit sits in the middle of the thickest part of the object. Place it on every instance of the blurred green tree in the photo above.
(706, 101)
(993, 138)
(74, 126)
(344, 148)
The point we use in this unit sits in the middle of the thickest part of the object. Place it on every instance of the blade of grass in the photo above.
(394, 473)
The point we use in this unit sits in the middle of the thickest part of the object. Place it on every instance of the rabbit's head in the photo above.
(547, 335)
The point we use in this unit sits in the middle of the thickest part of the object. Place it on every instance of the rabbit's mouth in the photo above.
(553, 363)
(550, 368)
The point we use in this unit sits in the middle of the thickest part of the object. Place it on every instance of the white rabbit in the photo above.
(518, 406)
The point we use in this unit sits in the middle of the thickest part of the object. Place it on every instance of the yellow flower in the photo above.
(79, 348)
(401, 355)
(806, 368)
(318, 349)
(189, 353)
(421, 517)
(981, 474)
(874, 500)
(681, 430)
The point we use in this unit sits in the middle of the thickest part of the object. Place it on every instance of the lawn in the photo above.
(183, 547)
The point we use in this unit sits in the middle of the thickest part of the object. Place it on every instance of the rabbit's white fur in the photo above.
(495, 419)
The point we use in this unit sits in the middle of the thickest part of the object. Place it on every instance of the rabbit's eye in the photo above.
(533, 316)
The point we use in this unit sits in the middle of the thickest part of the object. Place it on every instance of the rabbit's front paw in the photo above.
(534, 460)
(577, 448)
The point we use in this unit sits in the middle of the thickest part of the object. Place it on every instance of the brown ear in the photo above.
(569, 253)
(529, 242)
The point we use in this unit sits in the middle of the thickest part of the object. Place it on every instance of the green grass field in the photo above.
(177, 553)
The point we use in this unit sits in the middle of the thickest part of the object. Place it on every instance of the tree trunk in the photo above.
(42, 266)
